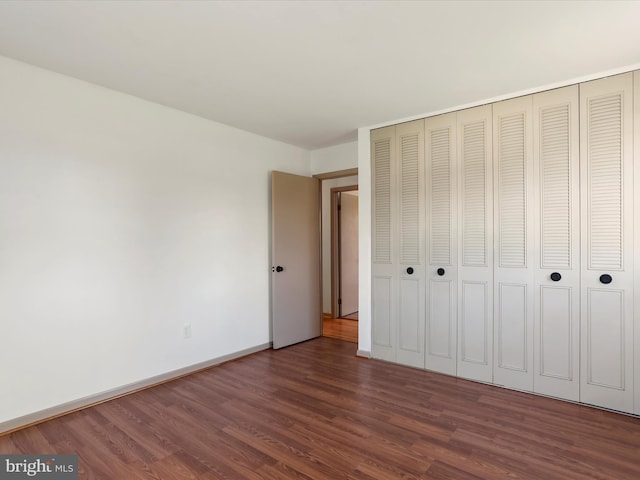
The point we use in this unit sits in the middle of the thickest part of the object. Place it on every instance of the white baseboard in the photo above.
(72, 406)
(363, 353)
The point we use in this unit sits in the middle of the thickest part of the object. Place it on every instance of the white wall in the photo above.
(334, 159)
(364, 244)
(121, 221)
(327, 185)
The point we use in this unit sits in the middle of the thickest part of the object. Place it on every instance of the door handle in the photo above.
(440, 272)
(277, 269)
(555, 276)
(410, 270)
(605, 278)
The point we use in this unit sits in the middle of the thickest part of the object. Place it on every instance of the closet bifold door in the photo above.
(442, 268)
(383, 282)
(556, 156)
(606, 182)
(475, 244)
(513, 243)
(410, 269)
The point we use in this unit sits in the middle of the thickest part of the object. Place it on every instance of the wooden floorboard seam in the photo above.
(316, 411)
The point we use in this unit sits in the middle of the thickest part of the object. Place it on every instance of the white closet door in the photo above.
(556, 148)
(475, 244)
(513, 230)
(410, 268)
(442, 268)
(384, 288)
(606, 173)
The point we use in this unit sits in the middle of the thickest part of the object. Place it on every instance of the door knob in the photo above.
(279, 268)
(606, 279)
(555, 276)
(440, 271)
(410, 270)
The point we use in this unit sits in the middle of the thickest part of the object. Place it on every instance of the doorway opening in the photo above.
(344, 252)
(332, 325)
(342, 322)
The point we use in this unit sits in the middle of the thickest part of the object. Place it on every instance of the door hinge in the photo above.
(339, 301)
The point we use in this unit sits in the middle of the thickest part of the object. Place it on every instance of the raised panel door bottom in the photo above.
(555, 349)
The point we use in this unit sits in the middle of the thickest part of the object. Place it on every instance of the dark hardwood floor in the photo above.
(315, 411)
(340, 328)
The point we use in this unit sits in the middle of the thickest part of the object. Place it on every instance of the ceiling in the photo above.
(310, 73)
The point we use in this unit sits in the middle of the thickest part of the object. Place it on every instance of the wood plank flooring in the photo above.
(315, 411)
(340, 328)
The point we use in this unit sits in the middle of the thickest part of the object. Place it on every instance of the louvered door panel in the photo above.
(513, 177)
(512, 189)
(411, 269)
(409, 156)
(606, 135)
(475, 244)
(383, 269)
(605, 179)
(440, 175)
(441, 326)
(381, 173)
(475, 193)
(557, 243)
(554, 134)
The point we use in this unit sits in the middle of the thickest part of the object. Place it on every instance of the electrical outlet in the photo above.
(186, 331)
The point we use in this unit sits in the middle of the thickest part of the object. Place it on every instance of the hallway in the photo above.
(341, 328)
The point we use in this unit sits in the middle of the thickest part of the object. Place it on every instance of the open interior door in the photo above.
(348, 231)
(295, 223)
